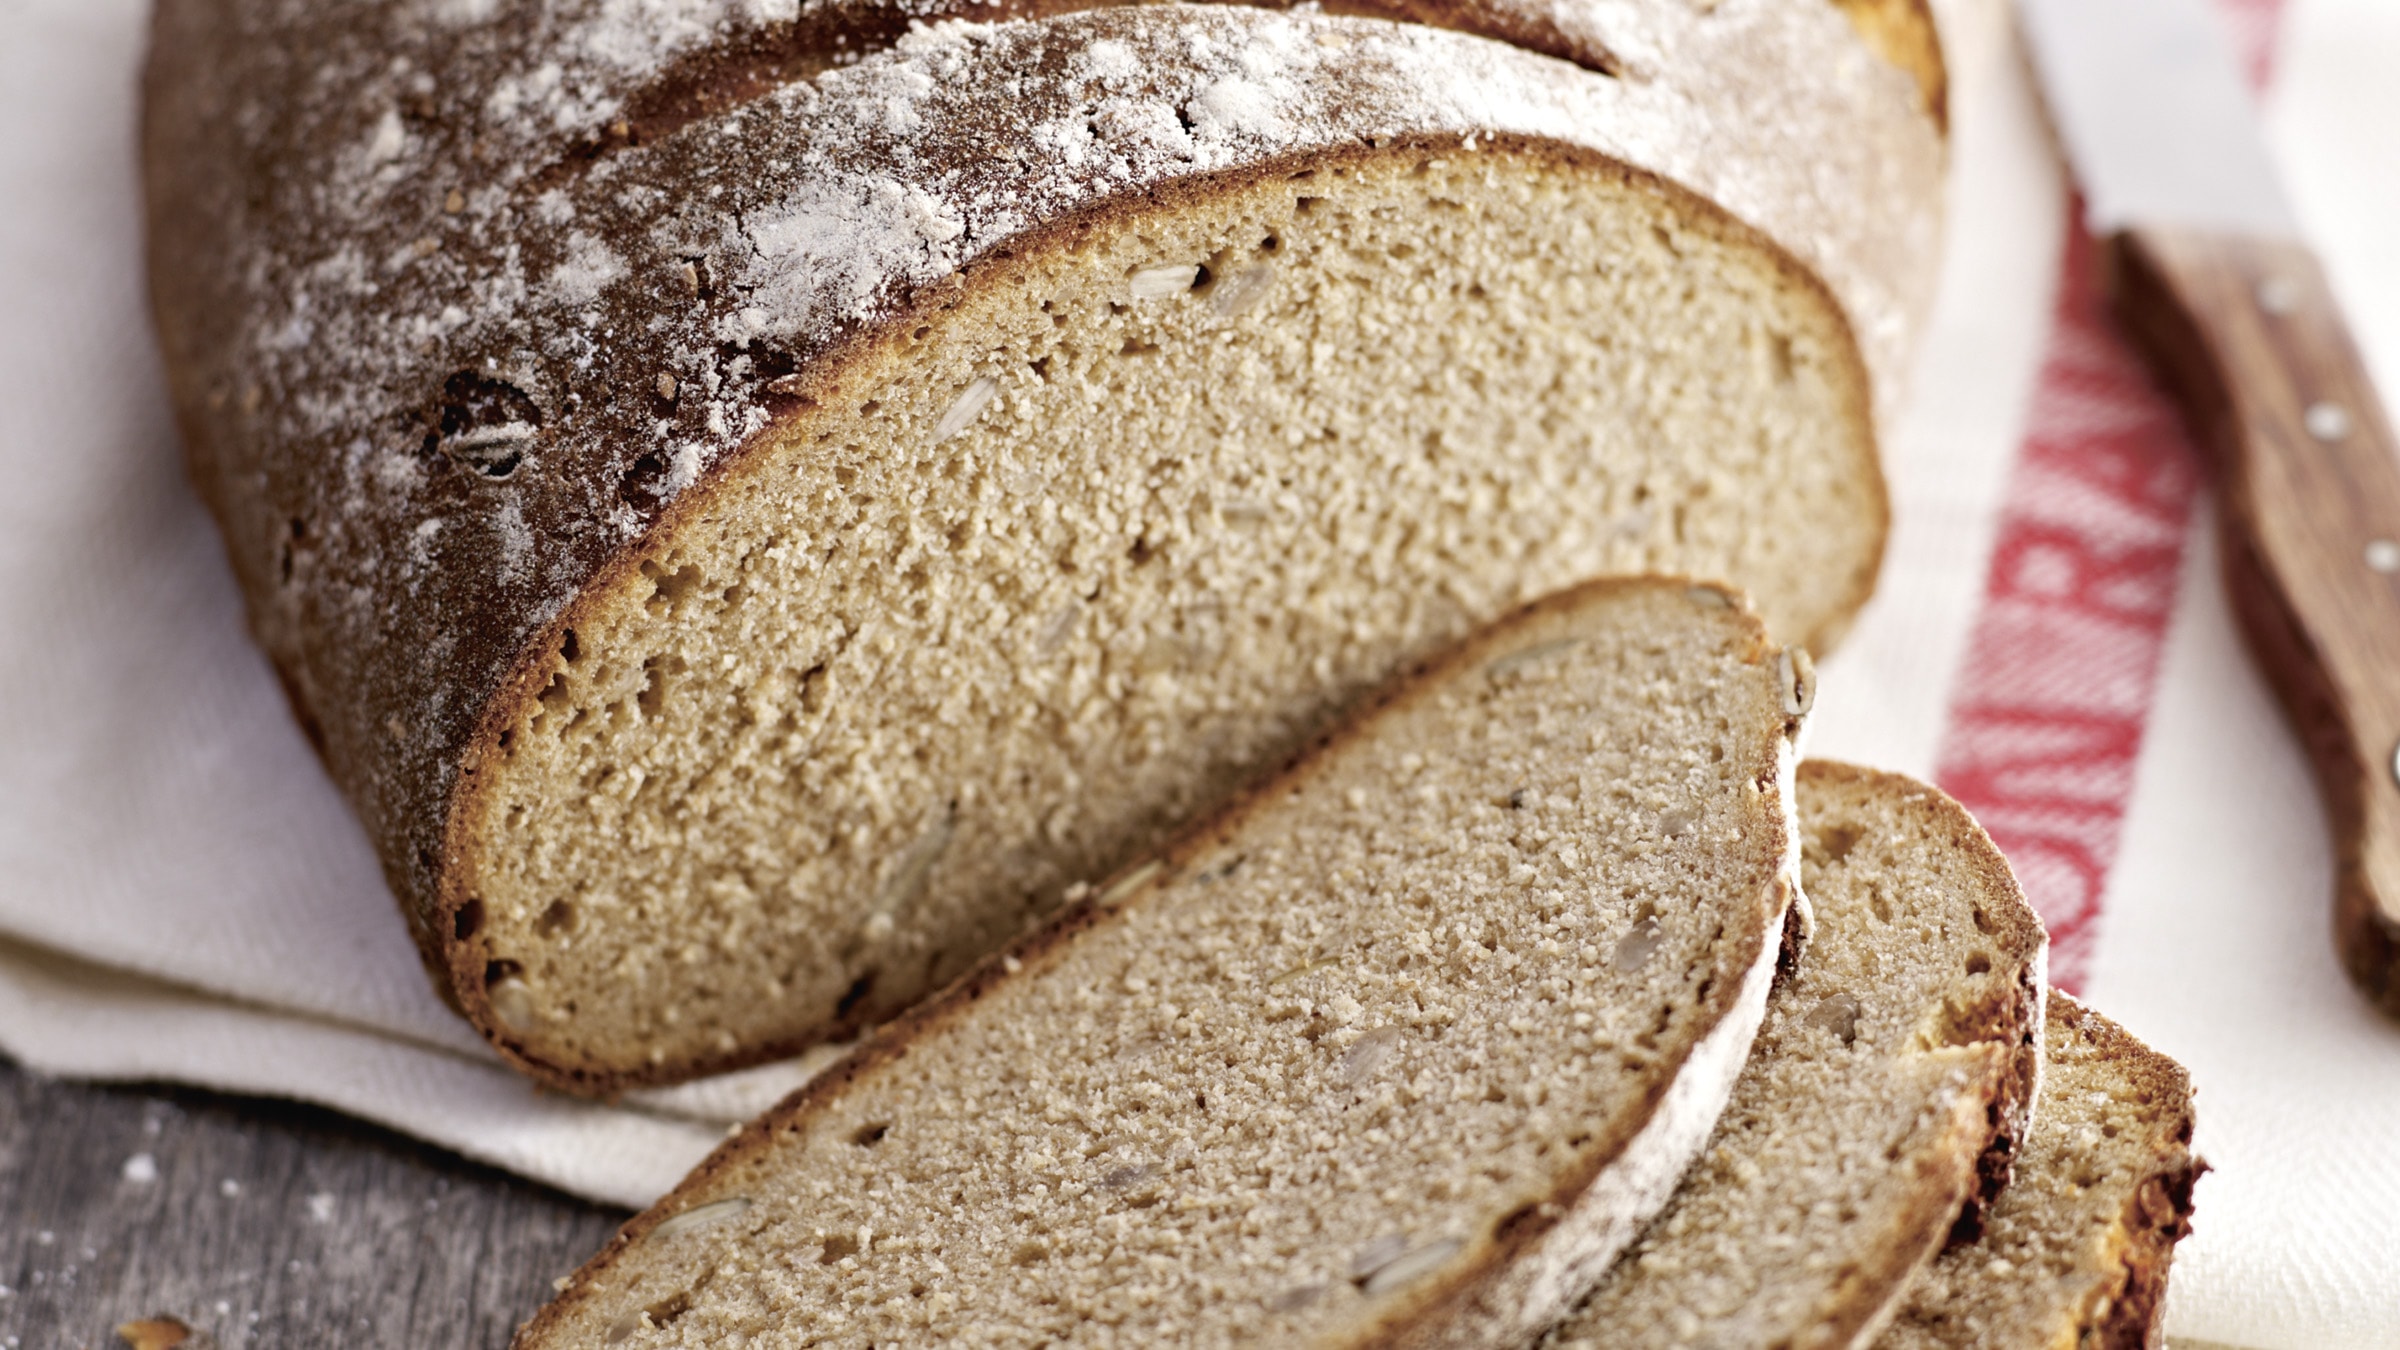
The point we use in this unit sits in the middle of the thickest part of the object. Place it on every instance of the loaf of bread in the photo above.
(1399, 1050)
(2076, 1251)
(1890, 1086)
(753, 501)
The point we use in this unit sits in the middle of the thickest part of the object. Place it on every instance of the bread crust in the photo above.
(350, 288)
(1992, 1048)
(756, 56)
(2111, 1288)
(1990, 1123)
(465, 960)
(1474, 1307)
(2016, 1021)
(2122, 1312)
(1945, 1178)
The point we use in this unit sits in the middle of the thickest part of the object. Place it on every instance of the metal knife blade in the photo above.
(2154, 116)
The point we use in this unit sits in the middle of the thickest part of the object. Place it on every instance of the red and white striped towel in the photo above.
(2103, 722)
(2048, 707)
(186, 898)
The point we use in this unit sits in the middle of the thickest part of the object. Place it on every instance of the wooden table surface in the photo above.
(261, 1224)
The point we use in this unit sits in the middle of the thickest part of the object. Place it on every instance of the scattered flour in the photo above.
(389, 140)
(590, 268)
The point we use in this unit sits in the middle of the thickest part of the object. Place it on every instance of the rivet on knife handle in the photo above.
(2308, 475)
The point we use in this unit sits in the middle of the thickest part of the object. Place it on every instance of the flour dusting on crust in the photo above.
(419, 363)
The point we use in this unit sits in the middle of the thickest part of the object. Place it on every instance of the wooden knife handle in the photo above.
(2247, 335)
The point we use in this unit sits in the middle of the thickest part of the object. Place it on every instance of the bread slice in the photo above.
(1400, 1049)
(1890, 1083)
(745, 566)
(2076, 1251)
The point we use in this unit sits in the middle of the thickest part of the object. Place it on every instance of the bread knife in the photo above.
(2209, 276)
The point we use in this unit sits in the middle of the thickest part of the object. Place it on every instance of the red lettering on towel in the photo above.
(2051, 698)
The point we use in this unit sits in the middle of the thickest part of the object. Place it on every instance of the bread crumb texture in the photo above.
(875, 500)
(1853, 1134)
(1042, 588)
(1308, 1074)
(2076, 1250)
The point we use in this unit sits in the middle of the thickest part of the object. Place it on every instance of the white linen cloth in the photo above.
(183, 896)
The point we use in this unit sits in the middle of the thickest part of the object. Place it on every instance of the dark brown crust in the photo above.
(2107, 1285)
(2158, 1217)
(407, 690)
(1424, 1319)
(2011, 1109)
(2122, 1313)
(752, 61)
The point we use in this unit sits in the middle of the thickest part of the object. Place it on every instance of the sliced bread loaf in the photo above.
(1890, 1083)
(2076, 1250)
(1399, 1050)
(745, 565)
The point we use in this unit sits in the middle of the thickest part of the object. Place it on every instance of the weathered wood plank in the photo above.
(262, 1223)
